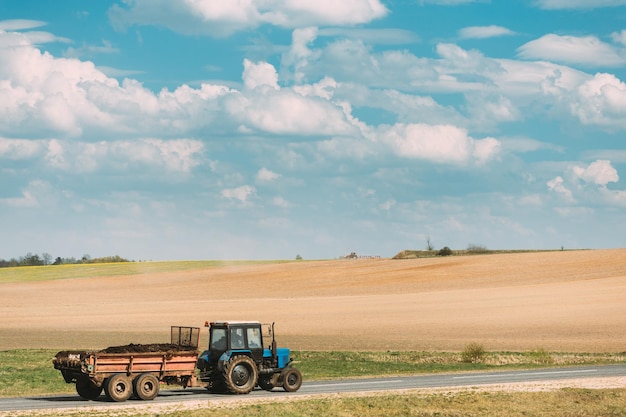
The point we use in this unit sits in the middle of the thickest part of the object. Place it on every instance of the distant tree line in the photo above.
(31, 259)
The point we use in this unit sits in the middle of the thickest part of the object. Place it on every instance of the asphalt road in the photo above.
(331, 387)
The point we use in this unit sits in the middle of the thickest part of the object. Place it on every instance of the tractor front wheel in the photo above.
(240, 375)
(292, 380)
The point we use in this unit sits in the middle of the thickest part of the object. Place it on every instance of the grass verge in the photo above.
(467, 403)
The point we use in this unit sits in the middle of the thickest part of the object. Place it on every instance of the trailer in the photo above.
(122, 371)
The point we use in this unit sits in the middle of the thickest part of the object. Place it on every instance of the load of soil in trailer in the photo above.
(147, 348)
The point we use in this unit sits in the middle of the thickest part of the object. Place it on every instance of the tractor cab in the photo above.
(236, 337)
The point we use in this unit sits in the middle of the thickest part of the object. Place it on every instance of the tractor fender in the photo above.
(226, 357)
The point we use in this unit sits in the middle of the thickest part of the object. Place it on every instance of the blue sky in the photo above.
(266, 129)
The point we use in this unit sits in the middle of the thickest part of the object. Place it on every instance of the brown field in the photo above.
(570, 301)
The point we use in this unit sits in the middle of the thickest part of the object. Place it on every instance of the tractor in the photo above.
(237, 361)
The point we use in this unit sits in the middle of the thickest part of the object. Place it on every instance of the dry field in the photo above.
(559, 301)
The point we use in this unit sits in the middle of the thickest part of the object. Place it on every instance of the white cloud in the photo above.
(588, 184)
(20, 24)
(578, 50)
(172, 156)
(439, 143)
(600, 173)
(17, 149)
(619, 37)
(600, 101)
(483, 32)
(578, 4)
(241, 194)
(42, 96)
(299, 54)
(265, 175)
(225, 18)
(557, 185)
(260, 74)
(287, 112)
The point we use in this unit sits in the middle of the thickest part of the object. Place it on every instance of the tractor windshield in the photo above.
(218, 339)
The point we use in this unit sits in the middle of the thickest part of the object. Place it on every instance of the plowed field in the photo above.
(561, 301)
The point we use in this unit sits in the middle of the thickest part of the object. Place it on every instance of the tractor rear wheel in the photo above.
(146, 386)
(87, 389)
(292, 380)
(240, 375)
(118, 388)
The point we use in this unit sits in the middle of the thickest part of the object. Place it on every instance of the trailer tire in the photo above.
(87, 389)
(292, 380)
(240, 374)
(216, 385)
(146, 386)
(118, 388)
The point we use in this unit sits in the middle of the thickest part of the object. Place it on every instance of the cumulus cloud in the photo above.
(219, 18)
(557, 185)
(483, 32)
(578, 50)
(19, 149)
(179, 155)
(601, 101)
(600, 173)
(589, 184)
(299, 54)
(43, 96)
(265, 175)
(260, 74)
(241, 194)
(438, 143)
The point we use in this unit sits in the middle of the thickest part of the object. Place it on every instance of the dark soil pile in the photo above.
(146, 348)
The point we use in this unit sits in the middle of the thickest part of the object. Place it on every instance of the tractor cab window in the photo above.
(254, 338)
(218, 339)
(237, 340)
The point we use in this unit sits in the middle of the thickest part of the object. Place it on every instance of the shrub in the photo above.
(472, 248)
(473, 353)
(445, 251)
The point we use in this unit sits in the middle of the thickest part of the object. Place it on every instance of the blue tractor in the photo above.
(237, 361)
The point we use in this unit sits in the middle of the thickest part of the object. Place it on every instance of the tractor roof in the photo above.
(235, 323)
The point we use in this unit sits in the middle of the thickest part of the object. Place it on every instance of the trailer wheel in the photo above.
(87, 389)
(118, 388)
(292, 380)
(146, 386)
(216, 385)
(240, 375)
